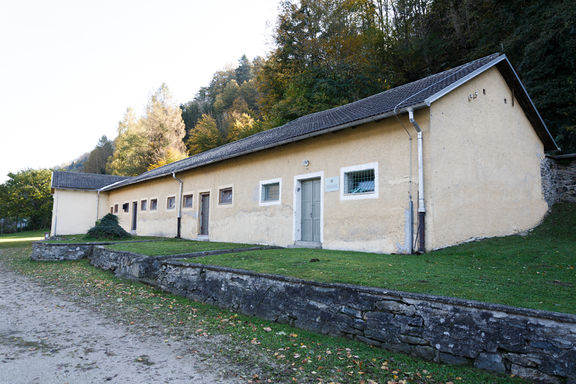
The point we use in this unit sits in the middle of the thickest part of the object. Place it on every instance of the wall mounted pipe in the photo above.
(421, 201)
(97, 205)
(179, 203)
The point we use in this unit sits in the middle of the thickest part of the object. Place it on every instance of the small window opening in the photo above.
(171, 202)
(225, 196)
(187, 201)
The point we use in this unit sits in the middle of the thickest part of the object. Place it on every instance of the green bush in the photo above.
(107, 228)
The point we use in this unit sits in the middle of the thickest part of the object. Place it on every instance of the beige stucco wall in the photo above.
(482, 164)
(74, 211)
(375, 224)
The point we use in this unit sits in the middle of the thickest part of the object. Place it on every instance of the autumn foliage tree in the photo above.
(331, 52)
(226, 110)
(150, 141)
(164, 129)
(129, 157)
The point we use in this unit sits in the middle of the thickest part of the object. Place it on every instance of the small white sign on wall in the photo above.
(332, 184)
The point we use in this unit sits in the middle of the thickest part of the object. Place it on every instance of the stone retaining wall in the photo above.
(536, 345)
(45, 251)
(533, 344)
(126, 264)
(42, 251)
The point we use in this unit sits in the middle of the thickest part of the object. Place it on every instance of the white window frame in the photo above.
(147, 205)
(175, 202)
(355, 168)
(261, 192)
(183, 199)
(150, 204)
(225, 205)
(127, 211)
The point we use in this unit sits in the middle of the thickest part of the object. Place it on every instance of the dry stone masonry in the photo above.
(559, 178)
(533, 344)
(42, 251)
(536, 345)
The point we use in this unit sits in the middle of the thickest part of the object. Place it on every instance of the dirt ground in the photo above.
(45, 339)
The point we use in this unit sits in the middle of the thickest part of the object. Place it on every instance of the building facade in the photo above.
(446, 159)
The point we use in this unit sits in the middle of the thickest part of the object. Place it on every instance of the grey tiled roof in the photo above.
(412, 95)
(88, 181)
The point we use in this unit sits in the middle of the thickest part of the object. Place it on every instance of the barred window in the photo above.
(270, 192)
(359, 181)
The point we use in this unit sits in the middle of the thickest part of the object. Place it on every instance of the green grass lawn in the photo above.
(20, 239)
(174, 247)
(81, 238)
(533, 271)
(277, 353)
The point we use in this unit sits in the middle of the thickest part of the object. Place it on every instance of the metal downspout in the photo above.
(179, 202)
(97, 204)
(55, 209)
(421, 202)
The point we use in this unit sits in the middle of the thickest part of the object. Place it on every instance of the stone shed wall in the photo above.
(559, 179)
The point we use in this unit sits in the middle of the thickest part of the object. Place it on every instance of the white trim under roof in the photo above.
(428, 101)
(109, 185)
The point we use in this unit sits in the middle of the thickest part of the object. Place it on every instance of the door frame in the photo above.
(201, 194)
(297, 207)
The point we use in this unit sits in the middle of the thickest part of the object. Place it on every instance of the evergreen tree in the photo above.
(99, 157)
(244, 70)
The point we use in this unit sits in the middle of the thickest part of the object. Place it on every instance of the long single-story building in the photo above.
(449, 158)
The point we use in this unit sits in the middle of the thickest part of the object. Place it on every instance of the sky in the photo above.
(70, 68)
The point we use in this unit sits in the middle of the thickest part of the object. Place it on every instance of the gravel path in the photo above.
(45, 339)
